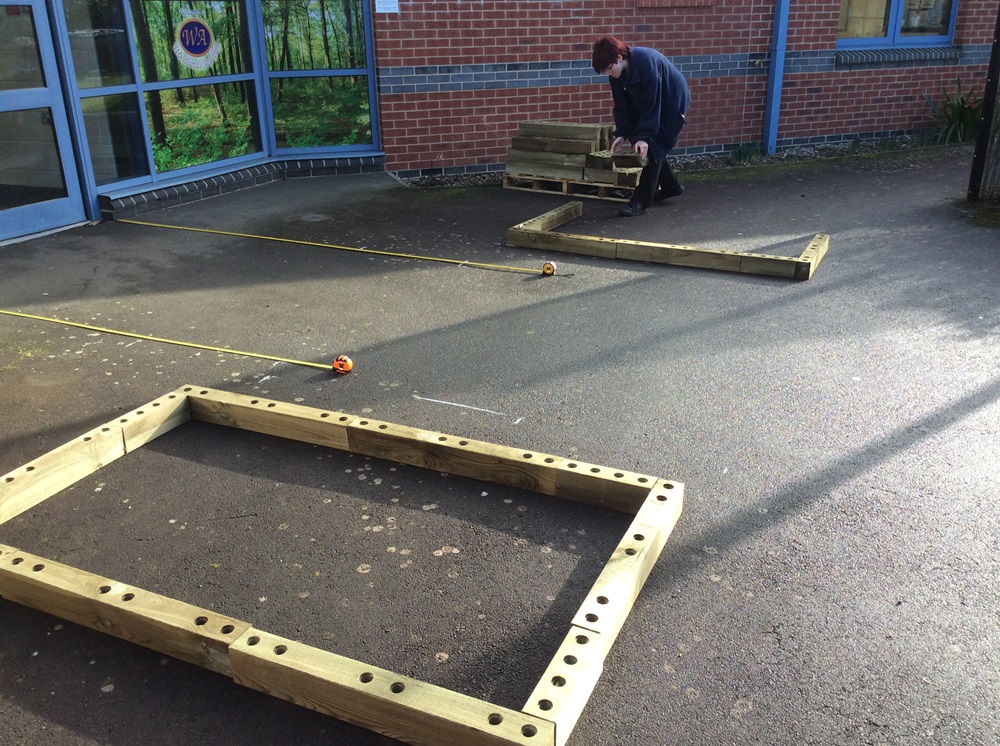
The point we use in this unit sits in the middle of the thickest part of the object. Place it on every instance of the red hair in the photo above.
(606, 51)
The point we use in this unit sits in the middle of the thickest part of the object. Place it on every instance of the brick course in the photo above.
(456, 77)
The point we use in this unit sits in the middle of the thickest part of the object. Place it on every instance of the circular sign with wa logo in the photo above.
(195, 47)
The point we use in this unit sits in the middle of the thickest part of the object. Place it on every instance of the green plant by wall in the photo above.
(957, 116)
(746, 153)
(887, 144)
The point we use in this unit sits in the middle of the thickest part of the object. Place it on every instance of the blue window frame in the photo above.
(168, 90)
(896, 23)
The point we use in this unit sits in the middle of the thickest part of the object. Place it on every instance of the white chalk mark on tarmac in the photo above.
(463, 406)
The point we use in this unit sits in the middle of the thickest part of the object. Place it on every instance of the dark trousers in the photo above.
(649, 179)
(656, 175)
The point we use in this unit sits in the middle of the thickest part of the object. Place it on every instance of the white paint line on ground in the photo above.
(464, 406)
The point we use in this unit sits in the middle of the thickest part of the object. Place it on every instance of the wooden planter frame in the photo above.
(537, 233)
(397, 706)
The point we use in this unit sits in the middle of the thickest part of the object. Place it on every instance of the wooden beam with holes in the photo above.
(567, 684)
(402, 708)
(25, 487)
(538, 233)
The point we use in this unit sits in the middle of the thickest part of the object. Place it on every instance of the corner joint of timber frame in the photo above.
(567, 684)
(810, 258)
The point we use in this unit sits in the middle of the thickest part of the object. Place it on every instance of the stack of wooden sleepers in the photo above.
(569, 158)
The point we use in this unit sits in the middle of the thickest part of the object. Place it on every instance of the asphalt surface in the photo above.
(832, 578)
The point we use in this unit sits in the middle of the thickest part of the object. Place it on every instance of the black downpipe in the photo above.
(986, 121)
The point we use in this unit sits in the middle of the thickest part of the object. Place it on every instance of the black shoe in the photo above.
(668, 184)
(662, 194)
(631, 209)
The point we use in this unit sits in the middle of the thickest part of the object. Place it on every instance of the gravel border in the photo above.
(714, 162)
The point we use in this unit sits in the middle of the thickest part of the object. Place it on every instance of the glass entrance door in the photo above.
(39, 188)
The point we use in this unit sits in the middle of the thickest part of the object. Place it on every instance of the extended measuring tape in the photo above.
(162, 340)
(461, 262)
(342, 364)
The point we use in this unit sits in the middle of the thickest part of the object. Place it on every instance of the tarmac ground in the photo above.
(833, 575)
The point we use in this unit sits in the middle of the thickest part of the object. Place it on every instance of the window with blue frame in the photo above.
(170, 87)
(888, 23)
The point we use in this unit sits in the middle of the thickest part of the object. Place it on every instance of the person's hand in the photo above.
(642, 148)
(618, 144)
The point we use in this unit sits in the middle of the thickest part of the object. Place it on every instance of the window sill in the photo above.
(897, 56)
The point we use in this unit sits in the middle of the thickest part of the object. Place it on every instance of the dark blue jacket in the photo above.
(651, 99)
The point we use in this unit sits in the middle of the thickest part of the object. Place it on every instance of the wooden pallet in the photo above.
(569, 187)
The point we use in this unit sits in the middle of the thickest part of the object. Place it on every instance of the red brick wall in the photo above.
(813, 25)
(848, 101)
(725, 111)
(433, 130)
(844, 103)
(976, 21)
(473, 128)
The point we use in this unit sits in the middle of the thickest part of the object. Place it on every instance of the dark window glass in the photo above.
(926, 17)
(30, 166)
(114, 136)
(20, 63)
(98, 42)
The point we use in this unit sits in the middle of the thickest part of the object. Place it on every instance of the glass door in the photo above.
(39, 188)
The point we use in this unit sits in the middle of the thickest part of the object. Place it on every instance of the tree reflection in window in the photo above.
(314, 34)
(325, 104)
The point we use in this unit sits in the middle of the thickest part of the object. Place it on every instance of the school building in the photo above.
(112, 108)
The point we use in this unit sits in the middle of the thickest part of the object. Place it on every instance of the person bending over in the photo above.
(651, 99)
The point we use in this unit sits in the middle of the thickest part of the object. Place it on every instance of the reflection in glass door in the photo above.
(39, 189)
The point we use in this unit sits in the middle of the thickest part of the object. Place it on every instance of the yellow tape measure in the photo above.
(461, 262)
(118, 332)
(548, 269)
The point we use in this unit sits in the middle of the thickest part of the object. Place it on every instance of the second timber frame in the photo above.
(397, 706)
(538, 233)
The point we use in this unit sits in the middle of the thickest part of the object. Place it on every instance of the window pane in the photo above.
(202, 124)
(30, 166)
(180, 39)
(20, 65)
(926, 17)
(314, 34)
(861, 19)
(98, 42)
(321, 112)
(114, 134)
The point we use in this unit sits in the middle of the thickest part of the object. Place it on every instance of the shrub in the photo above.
(957, 117)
